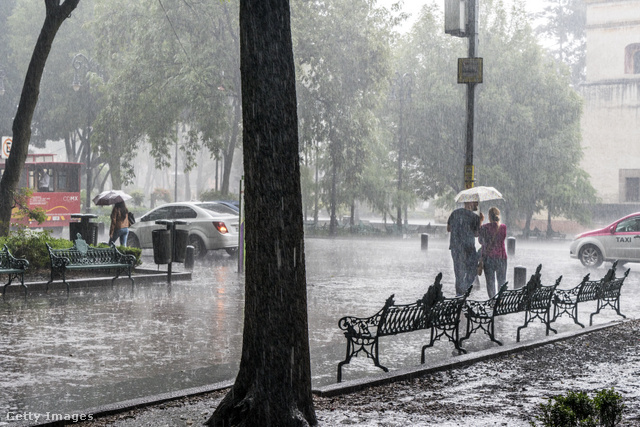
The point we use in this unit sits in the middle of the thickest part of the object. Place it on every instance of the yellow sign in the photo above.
(469, 70)
(469, 177)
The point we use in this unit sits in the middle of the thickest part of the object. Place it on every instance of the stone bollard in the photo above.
(424, 241)
(519, 277)
(190, 257)
(511, 246)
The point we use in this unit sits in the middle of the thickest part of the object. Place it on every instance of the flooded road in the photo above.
(101, 346)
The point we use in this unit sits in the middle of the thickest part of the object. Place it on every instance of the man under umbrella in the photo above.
(464, 225)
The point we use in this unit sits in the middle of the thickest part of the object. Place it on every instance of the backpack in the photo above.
(131, 218)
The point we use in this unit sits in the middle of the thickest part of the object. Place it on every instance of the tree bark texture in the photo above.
(56, 14)
(273, 386)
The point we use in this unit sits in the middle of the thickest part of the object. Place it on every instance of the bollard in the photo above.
(424, 241)
(190, 257)
(519, 277)
(511, 246)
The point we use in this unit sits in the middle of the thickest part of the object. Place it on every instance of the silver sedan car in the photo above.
(211, 226)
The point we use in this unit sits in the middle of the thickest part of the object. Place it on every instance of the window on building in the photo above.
(632, 190)
(632, 59)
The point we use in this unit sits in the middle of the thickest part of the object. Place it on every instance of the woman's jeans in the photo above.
(123, 233)
(495, 272)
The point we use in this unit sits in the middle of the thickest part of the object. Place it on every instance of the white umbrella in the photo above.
(111, 197)
(478, 194)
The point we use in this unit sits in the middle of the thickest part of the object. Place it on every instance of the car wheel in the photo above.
(590, 256)
(132, 241)
(199, 250)
(232, 251)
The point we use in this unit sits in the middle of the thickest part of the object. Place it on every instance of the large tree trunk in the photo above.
(56, 14)
(273, 386)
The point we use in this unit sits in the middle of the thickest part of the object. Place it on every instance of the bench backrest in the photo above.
(589, 290)
(446, 312)
(540, 298)
(83, 254)
(514, 300)
(397, 319)
(611, 288)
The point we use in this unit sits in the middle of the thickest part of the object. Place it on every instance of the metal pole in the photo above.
(89, 175)
(175, 187)
(469, 175)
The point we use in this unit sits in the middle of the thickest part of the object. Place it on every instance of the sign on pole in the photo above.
(469, 70)
(6, 147)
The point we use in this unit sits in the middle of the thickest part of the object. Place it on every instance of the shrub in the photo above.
(161, 194)
(138, 197)
(609, 406)
(576, 409)
(211, 194)
(31, 245)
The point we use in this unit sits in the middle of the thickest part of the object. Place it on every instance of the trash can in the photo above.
(88, 231)
(180, 245)
(161, 240)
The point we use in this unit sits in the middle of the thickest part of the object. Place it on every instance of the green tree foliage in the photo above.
(435, 118)
(527, 141)
(564, 24)
(56, 13)
(342, 54)
(172, 63)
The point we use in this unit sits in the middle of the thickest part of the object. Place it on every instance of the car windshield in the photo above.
(217, 208)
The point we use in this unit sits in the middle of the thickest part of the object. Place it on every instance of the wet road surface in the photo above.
(100, 346)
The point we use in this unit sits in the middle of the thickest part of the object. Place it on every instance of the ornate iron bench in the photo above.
(433, 311)
(609, 293)
(538, 305)
(533, 299)
(605, 291)
(14, 267)
(81, 256)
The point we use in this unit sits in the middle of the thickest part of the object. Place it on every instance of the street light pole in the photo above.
(461, 20)
(79, 62)
(469, 172)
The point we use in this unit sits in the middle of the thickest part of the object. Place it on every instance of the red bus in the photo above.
(55, 186)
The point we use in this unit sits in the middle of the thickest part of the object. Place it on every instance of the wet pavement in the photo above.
(101, 346)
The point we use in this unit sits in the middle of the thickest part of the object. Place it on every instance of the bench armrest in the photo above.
(480, 308)
(566, 296)
(121, 258)
(18, 263)
(57, 261)
(358, 326)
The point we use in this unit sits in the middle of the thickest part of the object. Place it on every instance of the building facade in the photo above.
(611, 119)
